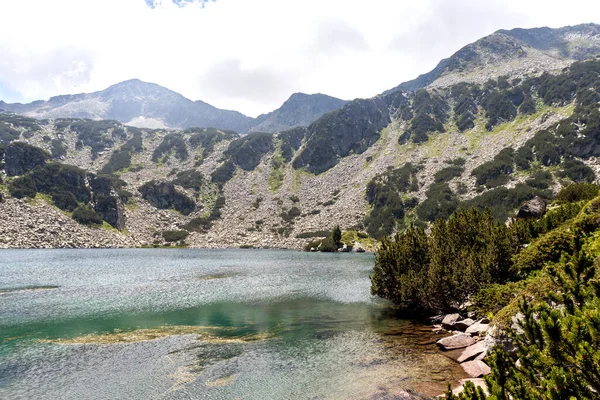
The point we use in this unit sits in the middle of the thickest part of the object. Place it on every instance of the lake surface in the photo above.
(205, 324)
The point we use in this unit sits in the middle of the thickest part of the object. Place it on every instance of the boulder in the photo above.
(472, 352)
(462, 325)
(449, 321)
(476, 368)
(534, 208)
(456, 341)
(478, 328)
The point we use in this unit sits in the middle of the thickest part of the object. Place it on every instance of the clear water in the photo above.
(229, 324)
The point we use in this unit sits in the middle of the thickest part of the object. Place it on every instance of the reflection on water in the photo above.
(205, 324)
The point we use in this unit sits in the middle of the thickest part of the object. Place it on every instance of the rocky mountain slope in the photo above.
(516, 53)
(147, 105)
(299, 110)
(374, 165)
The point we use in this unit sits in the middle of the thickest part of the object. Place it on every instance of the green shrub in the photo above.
(494, 297)
(65, 200)
(438, 272)
(547, 249)
(223, 173)
(448, 173)
(291, 214)
(495, 173)
(441, 202)
(23, 186)
(202, 224)
(246, 152)
(85, 215)
(98, 135)
(577, 192)
(190, 179)
(175, 236)
(173, 142)
(577, 171)
(58, 149)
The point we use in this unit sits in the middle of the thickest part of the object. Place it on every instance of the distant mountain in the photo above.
(516, 53)
(299, 110)
(148, 105)
(136, 103)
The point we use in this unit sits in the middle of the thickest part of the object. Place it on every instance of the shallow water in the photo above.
(205, 324)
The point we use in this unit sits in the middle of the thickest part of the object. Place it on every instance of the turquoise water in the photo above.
(225, 324)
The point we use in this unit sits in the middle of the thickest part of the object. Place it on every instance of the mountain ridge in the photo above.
(546, 49)
(149, 105)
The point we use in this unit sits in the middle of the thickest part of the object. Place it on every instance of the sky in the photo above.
(249, 55)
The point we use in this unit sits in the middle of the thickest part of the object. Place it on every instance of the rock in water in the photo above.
(534, 208)
(456, 342)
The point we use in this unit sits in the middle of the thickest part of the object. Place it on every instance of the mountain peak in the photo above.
(514, 52)
(300, 109)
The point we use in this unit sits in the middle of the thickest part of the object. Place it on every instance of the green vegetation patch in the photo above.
(173, 143)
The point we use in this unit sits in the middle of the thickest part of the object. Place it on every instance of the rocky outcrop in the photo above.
(22, 157)
(533, 209)
(107, 202)
(164, 195)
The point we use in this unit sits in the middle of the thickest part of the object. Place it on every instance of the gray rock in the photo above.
(456, 342)
(449, 321)
(462, 325)
(476, 368)
(477, 329)
(472, 352)
(534, 208)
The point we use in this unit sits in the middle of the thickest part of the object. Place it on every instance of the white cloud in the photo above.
(248, 55)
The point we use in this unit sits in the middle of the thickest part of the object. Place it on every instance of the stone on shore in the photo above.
(476, 368)
(462, 325)
(478, 328)
(449, 321)
(472, 352)
(458, 341)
